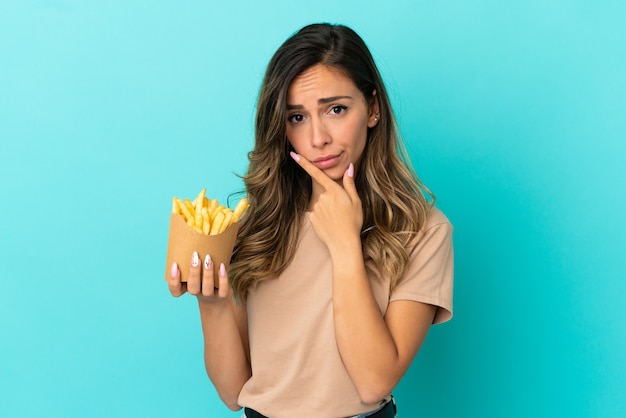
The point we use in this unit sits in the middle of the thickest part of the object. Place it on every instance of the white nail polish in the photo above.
(207, 262)
(195, 259)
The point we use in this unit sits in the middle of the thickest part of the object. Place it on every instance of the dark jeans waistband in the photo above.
(387, 411)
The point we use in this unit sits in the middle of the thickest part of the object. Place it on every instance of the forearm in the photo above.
(225, 356)
(364, 340)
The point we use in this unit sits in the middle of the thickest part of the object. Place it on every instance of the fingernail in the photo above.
(351, 170)
(294, 156)
(174, 269)
(207, 262)
(195, 259)
(222, 270)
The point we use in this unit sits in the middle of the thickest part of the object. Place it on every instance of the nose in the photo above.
(320, 136)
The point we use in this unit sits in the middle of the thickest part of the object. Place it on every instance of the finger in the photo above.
(175, 286)
(348, 184)
(208, 283)
(193, 281)
(224, 286)
(316, 174)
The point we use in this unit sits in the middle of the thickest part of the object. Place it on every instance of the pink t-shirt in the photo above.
(297, 370)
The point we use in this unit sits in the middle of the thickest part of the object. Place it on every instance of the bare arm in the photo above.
(224, 327)
(376, 350)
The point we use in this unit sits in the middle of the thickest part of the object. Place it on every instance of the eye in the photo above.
(295, 118)
(339, 109)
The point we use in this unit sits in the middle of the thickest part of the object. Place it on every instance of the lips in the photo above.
(326, 161)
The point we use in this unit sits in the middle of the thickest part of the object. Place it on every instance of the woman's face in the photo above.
(327, 119)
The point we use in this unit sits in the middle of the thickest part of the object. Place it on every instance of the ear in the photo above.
(374, 111)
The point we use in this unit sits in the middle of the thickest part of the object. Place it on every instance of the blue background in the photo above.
(514, 114)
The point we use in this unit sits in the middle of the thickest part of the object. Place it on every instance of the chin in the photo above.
(335, 173)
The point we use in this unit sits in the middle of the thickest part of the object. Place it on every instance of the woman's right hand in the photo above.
(201, 282)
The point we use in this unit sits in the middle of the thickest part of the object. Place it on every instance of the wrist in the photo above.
(213, 305)
(346, 250)
(345, 247)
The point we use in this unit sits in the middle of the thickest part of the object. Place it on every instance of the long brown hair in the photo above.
(393, 198)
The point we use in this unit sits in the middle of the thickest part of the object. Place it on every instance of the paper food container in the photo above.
(184, 240)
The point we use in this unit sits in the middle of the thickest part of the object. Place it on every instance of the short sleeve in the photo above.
(429, 277)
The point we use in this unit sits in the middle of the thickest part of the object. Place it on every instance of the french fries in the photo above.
(207, 216)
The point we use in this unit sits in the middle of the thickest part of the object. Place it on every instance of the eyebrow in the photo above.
(323, 100)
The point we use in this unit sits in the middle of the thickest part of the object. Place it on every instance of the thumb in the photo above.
(348, 183)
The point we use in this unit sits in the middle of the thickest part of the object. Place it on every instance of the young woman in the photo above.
(342, 262)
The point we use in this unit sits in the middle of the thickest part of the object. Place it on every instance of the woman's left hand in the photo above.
(336, 215)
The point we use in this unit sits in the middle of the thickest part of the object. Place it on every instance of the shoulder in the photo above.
(429, 276)
(436, 228)
(435, 218)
